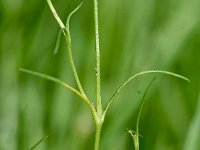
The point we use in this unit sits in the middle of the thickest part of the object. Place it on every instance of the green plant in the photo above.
(98, 113)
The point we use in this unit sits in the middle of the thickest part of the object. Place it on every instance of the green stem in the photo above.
(135, 138)
(68, 40)
(99, 118)
(136, 142)
(62, 26)
(71, 61)
(97, 136)
(84, 97)
(98, 81)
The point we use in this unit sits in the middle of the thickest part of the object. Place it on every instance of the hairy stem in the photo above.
(97, 136)
(99, 118)
(98, 81)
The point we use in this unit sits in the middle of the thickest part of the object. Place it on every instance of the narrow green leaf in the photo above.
(53, 79)
(142, 104)
(62, 26)
(56, 48)
(70, 15)
(38, 143)
(135, 134)
(137, 75)
(139, 114)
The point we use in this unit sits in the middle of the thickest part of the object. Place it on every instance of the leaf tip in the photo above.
(72, 12)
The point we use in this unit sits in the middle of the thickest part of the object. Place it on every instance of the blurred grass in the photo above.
(135, 35)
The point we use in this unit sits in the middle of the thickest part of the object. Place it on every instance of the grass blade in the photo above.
(57, 42)
(140, 74)
(70, 15)
(38, 143)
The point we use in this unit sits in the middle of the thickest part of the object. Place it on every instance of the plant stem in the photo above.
(99, 118)
(62, 26)
(68, 41)
(98, 81)
(97, 136)
(71, 61)
(136, 142)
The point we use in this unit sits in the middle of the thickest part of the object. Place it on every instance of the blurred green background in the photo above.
(135, 35)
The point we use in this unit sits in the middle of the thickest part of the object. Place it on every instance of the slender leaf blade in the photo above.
(135, 134)
(142, 104)
(57, 45)
(53, 79)
(140, 74)
(71, 14)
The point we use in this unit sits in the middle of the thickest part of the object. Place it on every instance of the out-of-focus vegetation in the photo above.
(135, 35)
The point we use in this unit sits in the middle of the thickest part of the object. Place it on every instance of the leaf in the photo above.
(142, 104)
(70, 15)
(38, 143)
(57, 42)
(62, 26)
(53, 79)
(137, 75)
(135, 134)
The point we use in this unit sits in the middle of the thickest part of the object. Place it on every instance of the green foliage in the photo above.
(98, 114)
(135, 36)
